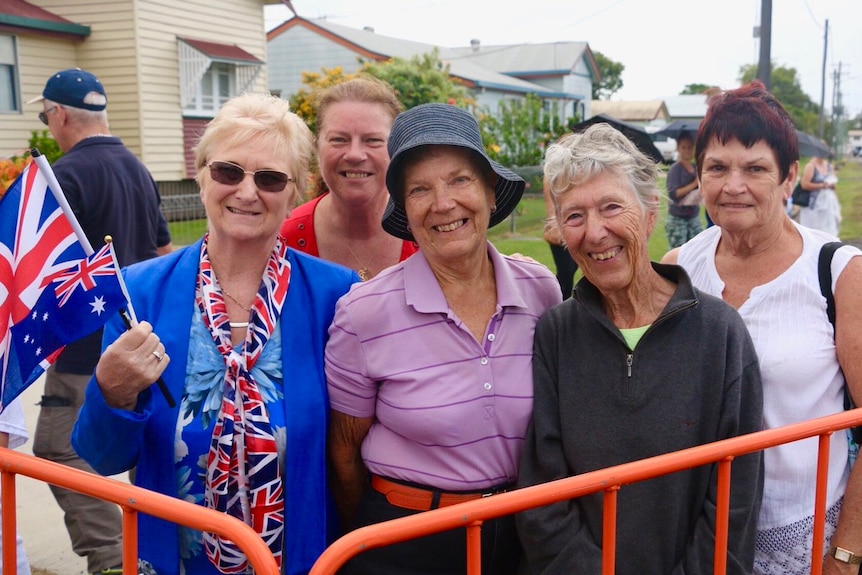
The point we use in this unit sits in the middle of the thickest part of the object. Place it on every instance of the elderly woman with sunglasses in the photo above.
(236, 326)
(428, 363)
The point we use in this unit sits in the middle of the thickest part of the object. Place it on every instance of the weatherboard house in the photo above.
(167, 68)
(557, 72)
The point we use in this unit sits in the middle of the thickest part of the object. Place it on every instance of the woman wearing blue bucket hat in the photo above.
(429, 363)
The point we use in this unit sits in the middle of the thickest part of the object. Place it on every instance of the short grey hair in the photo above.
(577, 158)
(81, 116)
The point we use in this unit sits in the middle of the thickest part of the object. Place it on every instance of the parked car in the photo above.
(665, 145)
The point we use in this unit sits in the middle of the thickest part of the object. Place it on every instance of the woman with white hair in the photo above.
(637, 363)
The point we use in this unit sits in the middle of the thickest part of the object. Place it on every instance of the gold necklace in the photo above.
(236, 301)
(364, 271)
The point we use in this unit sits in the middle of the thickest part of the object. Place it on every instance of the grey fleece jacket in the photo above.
(692, 379)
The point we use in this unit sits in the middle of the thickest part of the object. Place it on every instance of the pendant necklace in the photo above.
(364, 272)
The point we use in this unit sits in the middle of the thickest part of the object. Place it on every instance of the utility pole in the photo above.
(823, 82)
(764, 66)
(837, 113)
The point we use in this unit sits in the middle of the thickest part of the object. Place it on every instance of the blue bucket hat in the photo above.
(75, 88)
(441, 125)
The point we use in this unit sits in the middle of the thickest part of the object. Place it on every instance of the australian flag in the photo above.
(51, 292)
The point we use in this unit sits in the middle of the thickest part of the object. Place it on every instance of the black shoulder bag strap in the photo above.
(824, 272)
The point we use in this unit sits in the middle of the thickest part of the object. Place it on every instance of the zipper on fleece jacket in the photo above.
(630, 355)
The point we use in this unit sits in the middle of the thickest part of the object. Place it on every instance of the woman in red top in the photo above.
(343, 224)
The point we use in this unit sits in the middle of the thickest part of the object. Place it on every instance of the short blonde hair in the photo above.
(577, 158)
(259, 117)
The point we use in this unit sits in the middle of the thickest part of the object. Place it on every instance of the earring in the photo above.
(494, 209)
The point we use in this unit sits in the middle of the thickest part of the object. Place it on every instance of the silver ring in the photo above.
(159, 356)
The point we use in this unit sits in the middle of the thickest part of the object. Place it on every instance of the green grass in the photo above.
(186, 232)
(522, 232)
(849, 190)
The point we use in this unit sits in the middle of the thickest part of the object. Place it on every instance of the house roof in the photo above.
(19, 15)
(631, 110)
(221, 52)
(375, 46)
(552, 58)
(686, 105)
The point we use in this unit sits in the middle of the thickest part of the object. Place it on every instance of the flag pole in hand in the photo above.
(132, 321)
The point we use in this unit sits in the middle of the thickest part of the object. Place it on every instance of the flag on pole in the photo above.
(53, 289)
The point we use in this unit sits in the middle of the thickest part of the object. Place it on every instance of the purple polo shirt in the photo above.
(450, 412)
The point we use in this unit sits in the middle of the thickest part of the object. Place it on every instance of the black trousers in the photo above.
(439, 554)
(566, 268)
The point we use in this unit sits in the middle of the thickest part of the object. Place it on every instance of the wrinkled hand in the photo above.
(129, 365)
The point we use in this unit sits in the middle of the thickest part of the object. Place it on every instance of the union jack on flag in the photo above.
(51, 292)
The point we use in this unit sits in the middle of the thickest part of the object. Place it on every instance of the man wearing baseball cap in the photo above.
(111, 193)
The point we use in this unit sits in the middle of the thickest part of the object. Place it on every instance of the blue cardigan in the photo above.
(112, 441)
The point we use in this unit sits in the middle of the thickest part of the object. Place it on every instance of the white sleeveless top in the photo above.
(799, 367)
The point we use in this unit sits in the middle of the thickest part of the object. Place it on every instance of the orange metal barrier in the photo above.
(132, 500)
(472, 513)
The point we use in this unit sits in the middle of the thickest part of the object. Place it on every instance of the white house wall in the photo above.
(132, 48)
(38, 58)
(160, 22)
(299, 50)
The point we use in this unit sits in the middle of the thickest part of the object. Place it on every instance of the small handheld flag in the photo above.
(53, 289)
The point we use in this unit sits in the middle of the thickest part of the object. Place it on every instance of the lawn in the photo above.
(522, 232)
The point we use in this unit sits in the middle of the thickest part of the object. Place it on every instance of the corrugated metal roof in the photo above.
(464, 68)
(22, 14)
(686, 106)
(221, 52)
(631, 110)
(550, 58)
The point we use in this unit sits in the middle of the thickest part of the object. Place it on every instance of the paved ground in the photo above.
(40, 520)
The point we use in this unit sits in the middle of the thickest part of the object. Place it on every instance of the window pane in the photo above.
(224, 90)
(7, 88)
(7, 50)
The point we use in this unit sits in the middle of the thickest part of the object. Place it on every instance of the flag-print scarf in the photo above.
(242, 474)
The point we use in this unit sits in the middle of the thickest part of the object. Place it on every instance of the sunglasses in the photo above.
(265, 180)
(43, 116)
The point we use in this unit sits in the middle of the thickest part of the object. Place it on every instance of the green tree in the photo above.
(695, 89)
(419, 80)
(303, 104)
(518, 134)
(611, 77)
(786, 87)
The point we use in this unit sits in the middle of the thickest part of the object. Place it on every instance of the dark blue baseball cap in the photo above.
(75, 88)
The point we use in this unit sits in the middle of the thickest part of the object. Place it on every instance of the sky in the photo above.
(663, 44)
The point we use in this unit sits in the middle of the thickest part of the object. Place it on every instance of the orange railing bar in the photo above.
(722, 516)
(820, 504)
(132, 500)
(609, 480)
